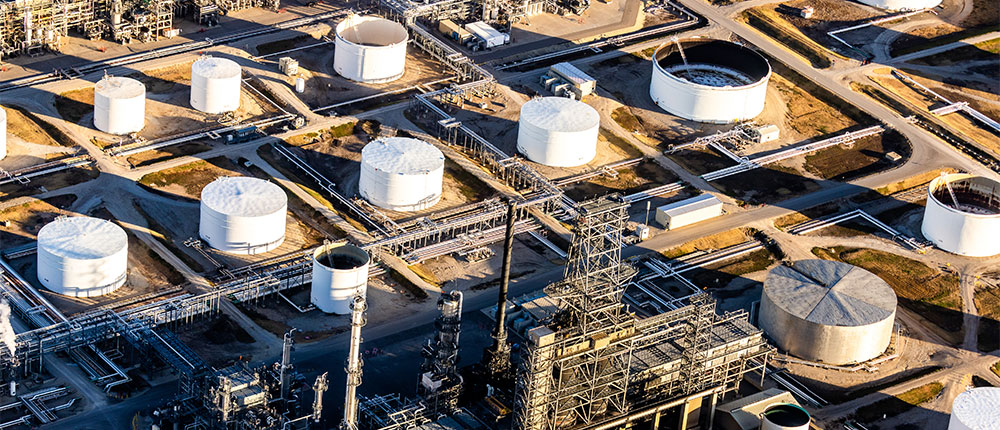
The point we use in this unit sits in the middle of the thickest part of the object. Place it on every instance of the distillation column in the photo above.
(358, 308)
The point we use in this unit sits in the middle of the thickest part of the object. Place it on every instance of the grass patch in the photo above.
(804, 215)
(862, 158)
(924, 290)
(987, 299)
(700, 161)
(74, 105)
(407, 285)
(620, 143)
(50, 182)
(715, 241)
(624, 117)
(986, 50)
(193, 177)
(281, 45)
(798, 43)
(922, 43)
(156, 229)
(147, 158)
(767, 185)
(902, 403)
(36, 130)
(469, 185)
(721, 274)
(996, 368)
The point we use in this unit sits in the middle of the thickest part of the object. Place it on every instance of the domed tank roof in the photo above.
(830, 293)
(82, 238)
(242, 196)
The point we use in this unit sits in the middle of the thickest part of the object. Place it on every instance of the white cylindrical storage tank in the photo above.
(827, 311)
(3, 133)
(784, 416)
(370, 49)
(712, 81)
(902, 5)
(300, 85)
(243, 215)
(976, 409)
(401, 174)
(339, 272)
(962, 215)
(82, 256)
(558, 131)
(215, 85)
(119, 105)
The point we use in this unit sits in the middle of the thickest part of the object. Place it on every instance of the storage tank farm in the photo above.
(784, 416)
(339, 272)
(370, 49)
(82, 256)
(962, 215)
(707, 80)
(119, 105)
(976, 409)
(827, 311)
(401, 174)
(242, 215)
(3, 133)
(215, 85)
(558, 131)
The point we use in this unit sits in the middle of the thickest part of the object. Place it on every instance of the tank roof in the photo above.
(216, 68)
(830, 293)
(118, 87)
(560, 114)
(242, 196)
(402, 155)
(978, 408)
(82, 238)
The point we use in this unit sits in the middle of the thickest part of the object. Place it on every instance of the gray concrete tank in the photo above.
(827, 311)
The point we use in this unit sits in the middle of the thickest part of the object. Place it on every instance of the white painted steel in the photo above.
(215, 85)
(401, 174)
(705, 103)
(557, 131)
(960, 231)
(335, 282)
(243, 215)
(785, 416)
(119, 105)
(902, 5)
(370, 49)
(3, 133)
(976, 409)
(827, 311)
(300, 85)
(689, 211)
(82, 256)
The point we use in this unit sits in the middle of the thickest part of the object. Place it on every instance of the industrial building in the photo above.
(902, 5)
(565, 80)
(243, 215)
(962, 215)
(557, 131)
(828, 311)
(401, 174)
(119, 105)
(689, 211)
(976, 409)
(488, 37)
(712, 81)
(370, 49)
(339, 273)
(746, 413)
(82, 256)
(215, 85)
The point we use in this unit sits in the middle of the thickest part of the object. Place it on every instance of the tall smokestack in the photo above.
(497, 357)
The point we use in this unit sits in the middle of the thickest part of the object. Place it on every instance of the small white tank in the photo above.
(784, 416)
(401, 174)
(243, 215)
(976, 409)
(3, 133)
(215, 85)
(557, 131)
(119, 105)
(300, 85)
(339, 272)
(82, 256)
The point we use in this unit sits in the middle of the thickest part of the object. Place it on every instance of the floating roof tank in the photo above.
(401, 174)
(709, 80)
(82, 256)
(243, 215)
(828, 311)
(962, 215)
(976, 409)
(558, 131)
(370, 49)
(785, 416)
(3, 133)
(215, 85)
(339, 272)
(119, 105)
